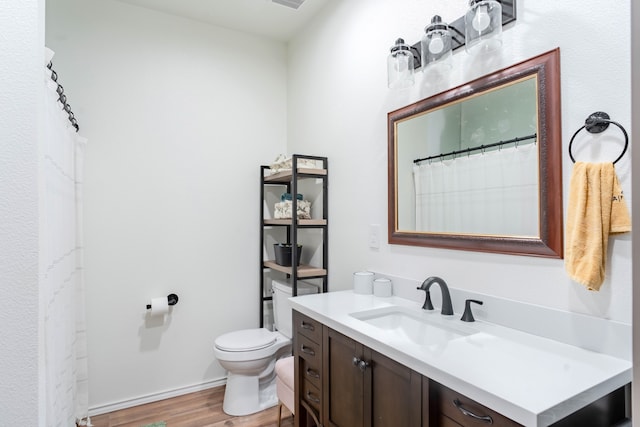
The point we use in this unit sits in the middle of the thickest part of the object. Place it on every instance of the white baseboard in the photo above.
(154, 397)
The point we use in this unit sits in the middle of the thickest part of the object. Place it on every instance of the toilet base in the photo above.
(247, 394)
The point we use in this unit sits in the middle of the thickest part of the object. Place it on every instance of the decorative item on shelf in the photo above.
(285, 163)
(283, 253)
(400, 65)
(283, 209)
(598, 122)
(483, 26)
(480, 30)
(436, 44)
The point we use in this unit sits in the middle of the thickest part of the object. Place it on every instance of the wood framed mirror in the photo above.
(479, 167)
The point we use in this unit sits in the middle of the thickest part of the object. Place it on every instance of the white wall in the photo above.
(179, 116)
(338, 104)
(21, 94)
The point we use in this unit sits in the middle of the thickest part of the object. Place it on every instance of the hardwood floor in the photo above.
(200, 409)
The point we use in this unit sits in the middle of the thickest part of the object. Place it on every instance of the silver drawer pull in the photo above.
(308, 326)
(484, 418)
(310, 372)
(307, 350)
(312, 398)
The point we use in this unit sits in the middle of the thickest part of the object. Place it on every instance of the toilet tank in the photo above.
(281, 307)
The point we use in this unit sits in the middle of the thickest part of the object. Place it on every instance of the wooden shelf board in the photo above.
(285, 176)
(303, 270)
(301, 222)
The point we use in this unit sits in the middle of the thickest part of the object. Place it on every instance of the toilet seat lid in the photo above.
(246, 340)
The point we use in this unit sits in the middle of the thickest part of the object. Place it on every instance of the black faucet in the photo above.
(447, 307)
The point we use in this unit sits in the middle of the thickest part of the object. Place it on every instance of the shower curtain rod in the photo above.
(63, 98)
(479, 147)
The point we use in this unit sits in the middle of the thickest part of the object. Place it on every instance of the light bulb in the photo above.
(481, 20)
(436, 44)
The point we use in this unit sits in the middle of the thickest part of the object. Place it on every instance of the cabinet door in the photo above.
(363, 388)
(395, 393)
(343, 381)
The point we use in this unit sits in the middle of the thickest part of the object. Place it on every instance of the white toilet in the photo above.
(250, 355)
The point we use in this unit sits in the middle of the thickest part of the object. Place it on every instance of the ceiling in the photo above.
(259, 17)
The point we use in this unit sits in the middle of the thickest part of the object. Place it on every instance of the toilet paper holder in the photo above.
(172, 299)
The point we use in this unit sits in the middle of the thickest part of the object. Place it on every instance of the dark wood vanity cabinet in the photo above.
(364, 388)
(341, 383)
(307, 352)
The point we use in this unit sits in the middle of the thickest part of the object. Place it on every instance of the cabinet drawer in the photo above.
(308, 327)
(311, 370)
(468, 412)
(309, 351)
(311, 394)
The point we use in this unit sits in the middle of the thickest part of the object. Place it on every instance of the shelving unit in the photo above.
(289, 180)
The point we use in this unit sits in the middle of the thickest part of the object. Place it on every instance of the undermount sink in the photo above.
(414, 326)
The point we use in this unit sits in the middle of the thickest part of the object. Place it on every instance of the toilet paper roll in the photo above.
(159, 306)
(363, 282)
(382, 287)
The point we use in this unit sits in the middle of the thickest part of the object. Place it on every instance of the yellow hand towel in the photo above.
(596, 209)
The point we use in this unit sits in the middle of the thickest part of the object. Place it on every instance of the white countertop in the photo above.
(533, 380)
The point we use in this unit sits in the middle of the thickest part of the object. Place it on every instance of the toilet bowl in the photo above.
(249, 356)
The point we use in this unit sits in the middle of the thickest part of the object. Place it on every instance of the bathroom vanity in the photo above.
(367, 361)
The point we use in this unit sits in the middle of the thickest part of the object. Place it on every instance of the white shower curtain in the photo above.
(61, 267)
(489, 193)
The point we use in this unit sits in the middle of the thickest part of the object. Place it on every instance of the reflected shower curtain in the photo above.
(489, 193)
(61, 267)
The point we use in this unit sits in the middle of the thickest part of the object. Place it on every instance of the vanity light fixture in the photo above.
(483, 26)
(480, 30)
(436, 43)
(400, 65)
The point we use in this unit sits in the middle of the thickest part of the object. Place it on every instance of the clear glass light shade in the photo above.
(483, 26)
(436, 44)
(400, 66)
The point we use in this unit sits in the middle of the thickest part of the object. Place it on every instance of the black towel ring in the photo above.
(596, 123)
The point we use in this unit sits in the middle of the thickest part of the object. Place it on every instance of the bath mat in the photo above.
(158, 424)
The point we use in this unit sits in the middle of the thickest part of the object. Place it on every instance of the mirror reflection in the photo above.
(472, 166)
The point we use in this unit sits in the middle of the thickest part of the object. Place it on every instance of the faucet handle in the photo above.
(467, 316)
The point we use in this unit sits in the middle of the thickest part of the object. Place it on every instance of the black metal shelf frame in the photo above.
(292, 229)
